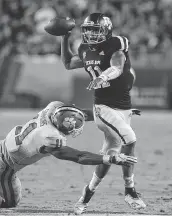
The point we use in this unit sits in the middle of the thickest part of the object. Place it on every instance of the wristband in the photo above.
(106, 159)
(103, 77)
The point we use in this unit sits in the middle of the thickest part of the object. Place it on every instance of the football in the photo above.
(59, 26)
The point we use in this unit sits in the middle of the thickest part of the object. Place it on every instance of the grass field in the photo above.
(51, 186)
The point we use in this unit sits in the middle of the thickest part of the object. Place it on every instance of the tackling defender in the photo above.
(42, 136)
(106, 60)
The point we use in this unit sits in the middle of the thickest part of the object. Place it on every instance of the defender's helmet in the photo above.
(69, 120)
(96, 28)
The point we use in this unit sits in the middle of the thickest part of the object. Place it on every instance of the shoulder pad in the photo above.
(51, 107)
(122, 43)
(54, 104)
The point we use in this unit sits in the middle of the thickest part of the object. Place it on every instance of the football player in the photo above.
(106, 59)
(42, 136)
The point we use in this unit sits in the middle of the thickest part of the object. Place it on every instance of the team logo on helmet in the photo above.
(107, 22)
(69, 123)
(84, 55)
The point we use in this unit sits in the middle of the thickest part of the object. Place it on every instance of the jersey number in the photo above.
(93, 75)
(20, 137)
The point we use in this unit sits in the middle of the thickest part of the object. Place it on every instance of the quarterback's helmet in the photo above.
(69, 120)
(96, 28)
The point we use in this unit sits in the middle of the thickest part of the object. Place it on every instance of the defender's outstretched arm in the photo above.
(88, 158)
(69, 60)
(81, 157)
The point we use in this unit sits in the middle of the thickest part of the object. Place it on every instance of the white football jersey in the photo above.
(22, 144)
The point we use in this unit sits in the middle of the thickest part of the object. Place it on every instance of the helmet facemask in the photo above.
(93, 34)
(76, 131)
(96, 30)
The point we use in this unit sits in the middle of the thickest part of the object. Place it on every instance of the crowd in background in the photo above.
(147, 24)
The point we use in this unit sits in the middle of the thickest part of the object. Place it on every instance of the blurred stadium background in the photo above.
(32, 74)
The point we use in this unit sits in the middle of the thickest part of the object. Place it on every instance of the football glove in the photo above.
(122, 159)
(96, 83)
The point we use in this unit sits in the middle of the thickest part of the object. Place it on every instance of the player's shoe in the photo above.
(133, 199)
(81, 205)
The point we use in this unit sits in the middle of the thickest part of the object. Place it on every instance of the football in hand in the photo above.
(60, 26)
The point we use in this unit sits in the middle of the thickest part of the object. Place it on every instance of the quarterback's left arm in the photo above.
(117, 64)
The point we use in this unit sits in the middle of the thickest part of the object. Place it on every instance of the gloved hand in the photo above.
(122, 159)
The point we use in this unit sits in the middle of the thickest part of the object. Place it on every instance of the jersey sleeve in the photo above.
(52, 138)
(121, 43)
(55, 141)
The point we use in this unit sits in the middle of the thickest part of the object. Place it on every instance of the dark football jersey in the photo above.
(115, 93)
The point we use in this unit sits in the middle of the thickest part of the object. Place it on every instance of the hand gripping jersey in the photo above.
(116, 92)
(23, 143)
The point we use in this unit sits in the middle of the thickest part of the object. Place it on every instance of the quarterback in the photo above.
(42, 136)
(106, 59)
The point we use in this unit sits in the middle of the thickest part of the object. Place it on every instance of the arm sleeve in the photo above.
(117, 64)
(81, 157)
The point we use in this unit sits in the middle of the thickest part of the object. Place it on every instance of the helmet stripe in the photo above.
(69, 109)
